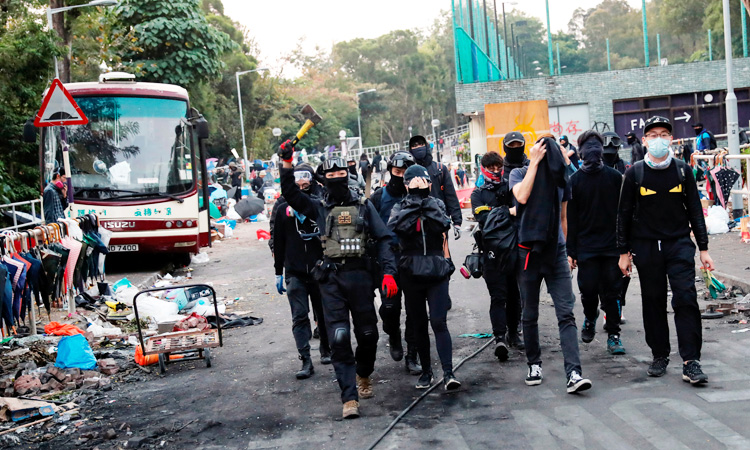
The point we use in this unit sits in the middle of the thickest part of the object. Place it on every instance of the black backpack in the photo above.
(499, 239)
(712, 141)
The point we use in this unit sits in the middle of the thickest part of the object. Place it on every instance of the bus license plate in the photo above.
(123, 248)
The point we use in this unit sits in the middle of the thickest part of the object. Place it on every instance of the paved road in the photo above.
(250, 398)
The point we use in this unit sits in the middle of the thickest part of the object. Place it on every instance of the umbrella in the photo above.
(249, 206)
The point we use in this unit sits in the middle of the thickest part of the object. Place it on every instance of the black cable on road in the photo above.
(419, 399)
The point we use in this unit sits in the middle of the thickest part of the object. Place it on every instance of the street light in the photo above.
(276, 132)
(242, 120)
(342, 138)
(435, 123)
(409, 131)
(51, 11)
(359, 124)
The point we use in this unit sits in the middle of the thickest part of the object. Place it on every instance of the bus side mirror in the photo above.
(29, 131)
(201, 127)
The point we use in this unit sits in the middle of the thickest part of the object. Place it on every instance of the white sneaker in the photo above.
(577, 384)
(534, 376)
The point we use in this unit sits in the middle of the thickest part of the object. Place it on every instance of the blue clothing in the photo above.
(703, 142)
(6, 297)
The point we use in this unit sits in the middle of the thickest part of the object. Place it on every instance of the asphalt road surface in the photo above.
(250, 398)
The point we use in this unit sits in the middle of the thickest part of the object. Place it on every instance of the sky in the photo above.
(277, 26)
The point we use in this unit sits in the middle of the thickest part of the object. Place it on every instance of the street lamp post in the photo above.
(242, 120)
(409, 131)
(435, 124)
(51, 11)
(359, 120)
(733, 126)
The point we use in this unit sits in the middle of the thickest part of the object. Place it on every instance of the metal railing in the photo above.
(745, 192)
(33, 221)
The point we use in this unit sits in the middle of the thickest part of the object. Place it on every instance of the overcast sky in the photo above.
(277, 25)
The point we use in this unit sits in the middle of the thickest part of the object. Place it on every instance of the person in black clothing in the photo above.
(235, 173)
(592, 243)
(636, 149)
(505, 309)
(384, 200)
(571, 151)
(611, 149)
(659, 207)
(421, 224)
(296, 250)
(440, 179)
(257, 183)
(352, 234)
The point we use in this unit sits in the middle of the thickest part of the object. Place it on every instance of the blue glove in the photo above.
(280, 284)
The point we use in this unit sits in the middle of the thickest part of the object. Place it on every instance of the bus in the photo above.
(138, 164)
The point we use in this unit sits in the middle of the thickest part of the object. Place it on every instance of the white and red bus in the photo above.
(138, 164)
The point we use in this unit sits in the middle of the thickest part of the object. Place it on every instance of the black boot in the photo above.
(515, 340)
(397, 350)
(307, 368)
(325, 356)
(412, 366)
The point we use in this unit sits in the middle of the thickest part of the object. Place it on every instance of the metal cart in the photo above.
(193, 345)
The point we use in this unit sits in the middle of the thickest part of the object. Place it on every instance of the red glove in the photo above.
(389, 286)
(286, 151)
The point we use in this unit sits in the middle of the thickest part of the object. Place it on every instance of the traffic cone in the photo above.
(150, 359)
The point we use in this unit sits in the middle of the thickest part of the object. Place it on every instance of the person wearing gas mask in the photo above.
(505, 302)
(352, 234)
(421, 224)
(440, 180)
(384, 200)
(297, 247)
(659, 208)
(55, 197)
(592, 243)
(611, 156)
(636, 149)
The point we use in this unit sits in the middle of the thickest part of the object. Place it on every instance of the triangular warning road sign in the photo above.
(59, 108)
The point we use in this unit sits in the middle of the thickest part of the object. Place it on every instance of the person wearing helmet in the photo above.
(297, 247)
(351, 229)
(440, 176)
(421, 224)
(390, 310)
(611, 148)
(659, 208)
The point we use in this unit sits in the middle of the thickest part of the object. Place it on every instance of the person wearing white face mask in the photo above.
(659, 207)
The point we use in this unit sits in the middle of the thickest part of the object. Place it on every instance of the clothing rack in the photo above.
(44, 234)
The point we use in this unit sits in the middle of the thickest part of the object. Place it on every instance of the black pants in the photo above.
(417, 297)
(299, 289)
(600, 280)
(346, 293)
(238, 193)
(658, 261)
(505, 300)
(390, 314)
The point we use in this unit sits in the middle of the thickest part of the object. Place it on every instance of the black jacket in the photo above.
(433, 222)
(484, 199)
(443, 189)
(318, 210)
(292, 251)
(637, 152)
(661, 209)
(257, 183)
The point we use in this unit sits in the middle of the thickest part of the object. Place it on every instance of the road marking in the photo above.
(725, 396)
(630, 412)
(569, 424)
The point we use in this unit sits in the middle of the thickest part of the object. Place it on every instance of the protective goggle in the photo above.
(612, 141)
(401, 163)
(302, 175)
(334, 164)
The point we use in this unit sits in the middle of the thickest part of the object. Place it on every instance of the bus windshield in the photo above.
(132, 147)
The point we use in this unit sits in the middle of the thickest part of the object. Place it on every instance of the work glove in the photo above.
(457, 231)
(389, 286)
(280, 284)
(286, 151)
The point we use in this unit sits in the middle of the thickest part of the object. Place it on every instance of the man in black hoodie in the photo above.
(384, 199)
(542, 256)
(297, 248)
(592, 243)
(440, 177)
(636, 149)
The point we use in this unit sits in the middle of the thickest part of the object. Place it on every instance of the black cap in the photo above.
(630, 134)
(514, 136)
(418, 139)
(657, 121)
(698, 125)
(416, 171)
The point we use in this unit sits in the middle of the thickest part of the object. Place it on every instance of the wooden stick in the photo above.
(36, 422)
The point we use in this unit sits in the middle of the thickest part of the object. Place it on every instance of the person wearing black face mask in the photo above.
(384, 200)
(636, 149)
(514, 146)
(355, 179)
(505, 300)
(440, 179)
(421, 224)
(349, 223)
(592, 240)
(611, 149)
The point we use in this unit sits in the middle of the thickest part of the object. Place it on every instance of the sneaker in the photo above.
(534, 376)
(588, 331)
(351, 410)
(614, 345)
(364, 387)
(410, 361)
(450, 381)
(425, 380)
(692, 373)
(325, 356)
(658, 367)
(501, 349)
(515, 340)
(577, 384)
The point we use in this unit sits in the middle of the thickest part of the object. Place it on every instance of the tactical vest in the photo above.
(345, 235)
